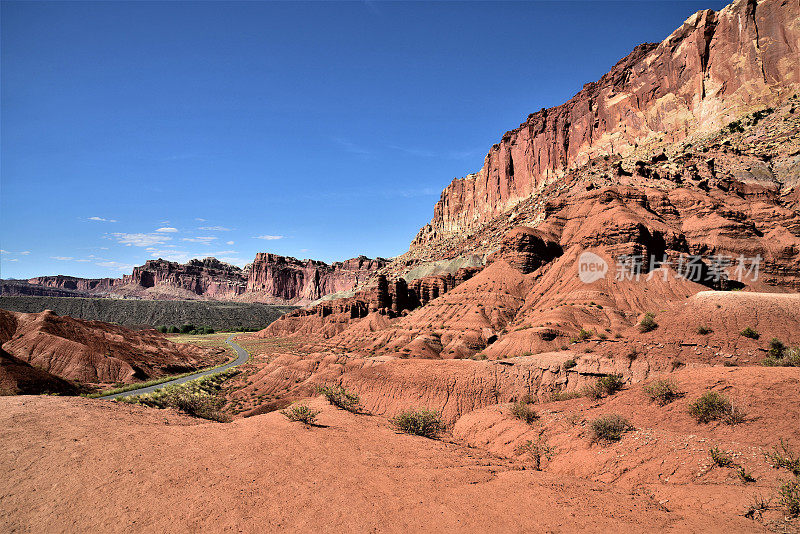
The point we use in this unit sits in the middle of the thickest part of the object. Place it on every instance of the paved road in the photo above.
(241, 358)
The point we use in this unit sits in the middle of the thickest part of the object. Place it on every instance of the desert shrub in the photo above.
(186, 328)
(783, 457)
(750, 333)
(713, 406)
(720, 458)
(341, 398)
(524, 412)
(648, 323)
(703, 330)
(790, 497)
(584, 334)
(163, 329)
(735, 416)
(301, 413)
(569, 364)
(200, 397)
(479, 356)
(565, 395)
(174, 330)
(199, 404)
(789, 357)
(759, 505)
(605, 386)
(426, 423)
(662, 391)
(776, 348)
(609, 428)
(744, 476)
(537, 450)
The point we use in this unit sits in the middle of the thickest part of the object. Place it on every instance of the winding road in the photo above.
(242, 356)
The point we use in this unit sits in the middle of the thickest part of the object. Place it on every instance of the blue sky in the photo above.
(317, 130)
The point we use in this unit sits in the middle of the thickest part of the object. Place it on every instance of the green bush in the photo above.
(524, 412)
(426, 423)
(569, 364)
(720, 458)
(782, 356)
(750, 333)
(648, 323)
(704, 330)
(186, 328)
(783, 457)
(713, 406)
(609, 428)
(557, 396)
(341, 398)
(605, 386)
(163, 329)
(174, 330)
(537, 450)
(301, 413)
(790, 497)
(584, 334)
(662, 391)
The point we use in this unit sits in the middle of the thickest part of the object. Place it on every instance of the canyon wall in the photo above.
(713, 68)
(269, 279)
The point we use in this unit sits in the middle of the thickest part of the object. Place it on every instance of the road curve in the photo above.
(242, 356)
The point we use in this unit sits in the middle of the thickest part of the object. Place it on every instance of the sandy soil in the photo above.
(73, 464)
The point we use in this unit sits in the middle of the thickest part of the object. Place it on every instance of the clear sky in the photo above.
(318, 130)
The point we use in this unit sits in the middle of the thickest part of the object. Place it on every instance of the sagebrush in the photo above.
(426, 423)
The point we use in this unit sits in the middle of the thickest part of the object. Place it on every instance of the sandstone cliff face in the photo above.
(270, 279)
(713, 68)
(208, 277)
(294, 281)
(74, 283)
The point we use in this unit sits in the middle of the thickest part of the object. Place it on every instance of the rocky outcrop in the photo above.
(75, 284)
(712, 69)
(270, 279)
(209, 277)
(295, 281)
(36, 346)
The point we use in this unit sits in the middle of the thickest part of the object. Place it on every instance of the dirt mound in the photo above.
(94, 352)
(667, 454)
(21, 378)
(95, 465)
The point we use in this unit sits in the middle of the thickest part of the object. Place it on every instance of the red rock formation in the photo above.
(90, 351)
(270, 278)
(710, 70)
(74, 283)
(207, 278)
(294, 281)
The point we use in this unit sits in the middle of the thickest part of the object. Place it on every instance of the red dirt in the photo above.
(92, 465)
(92, 351)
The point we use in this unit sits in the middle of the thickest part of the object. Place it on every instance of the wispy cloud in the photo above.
(167, 230)
(62, 258)
(268, 237)
(449, 154)
(215, 228)
(140, 240)
(198, 219)
(206, 240)
(230, 242)
(351, 147)
(101, 219)
(115, 265)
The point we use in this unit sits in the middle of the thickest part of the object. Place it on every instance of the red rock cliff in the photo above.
(708, 71)
(296, 281)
